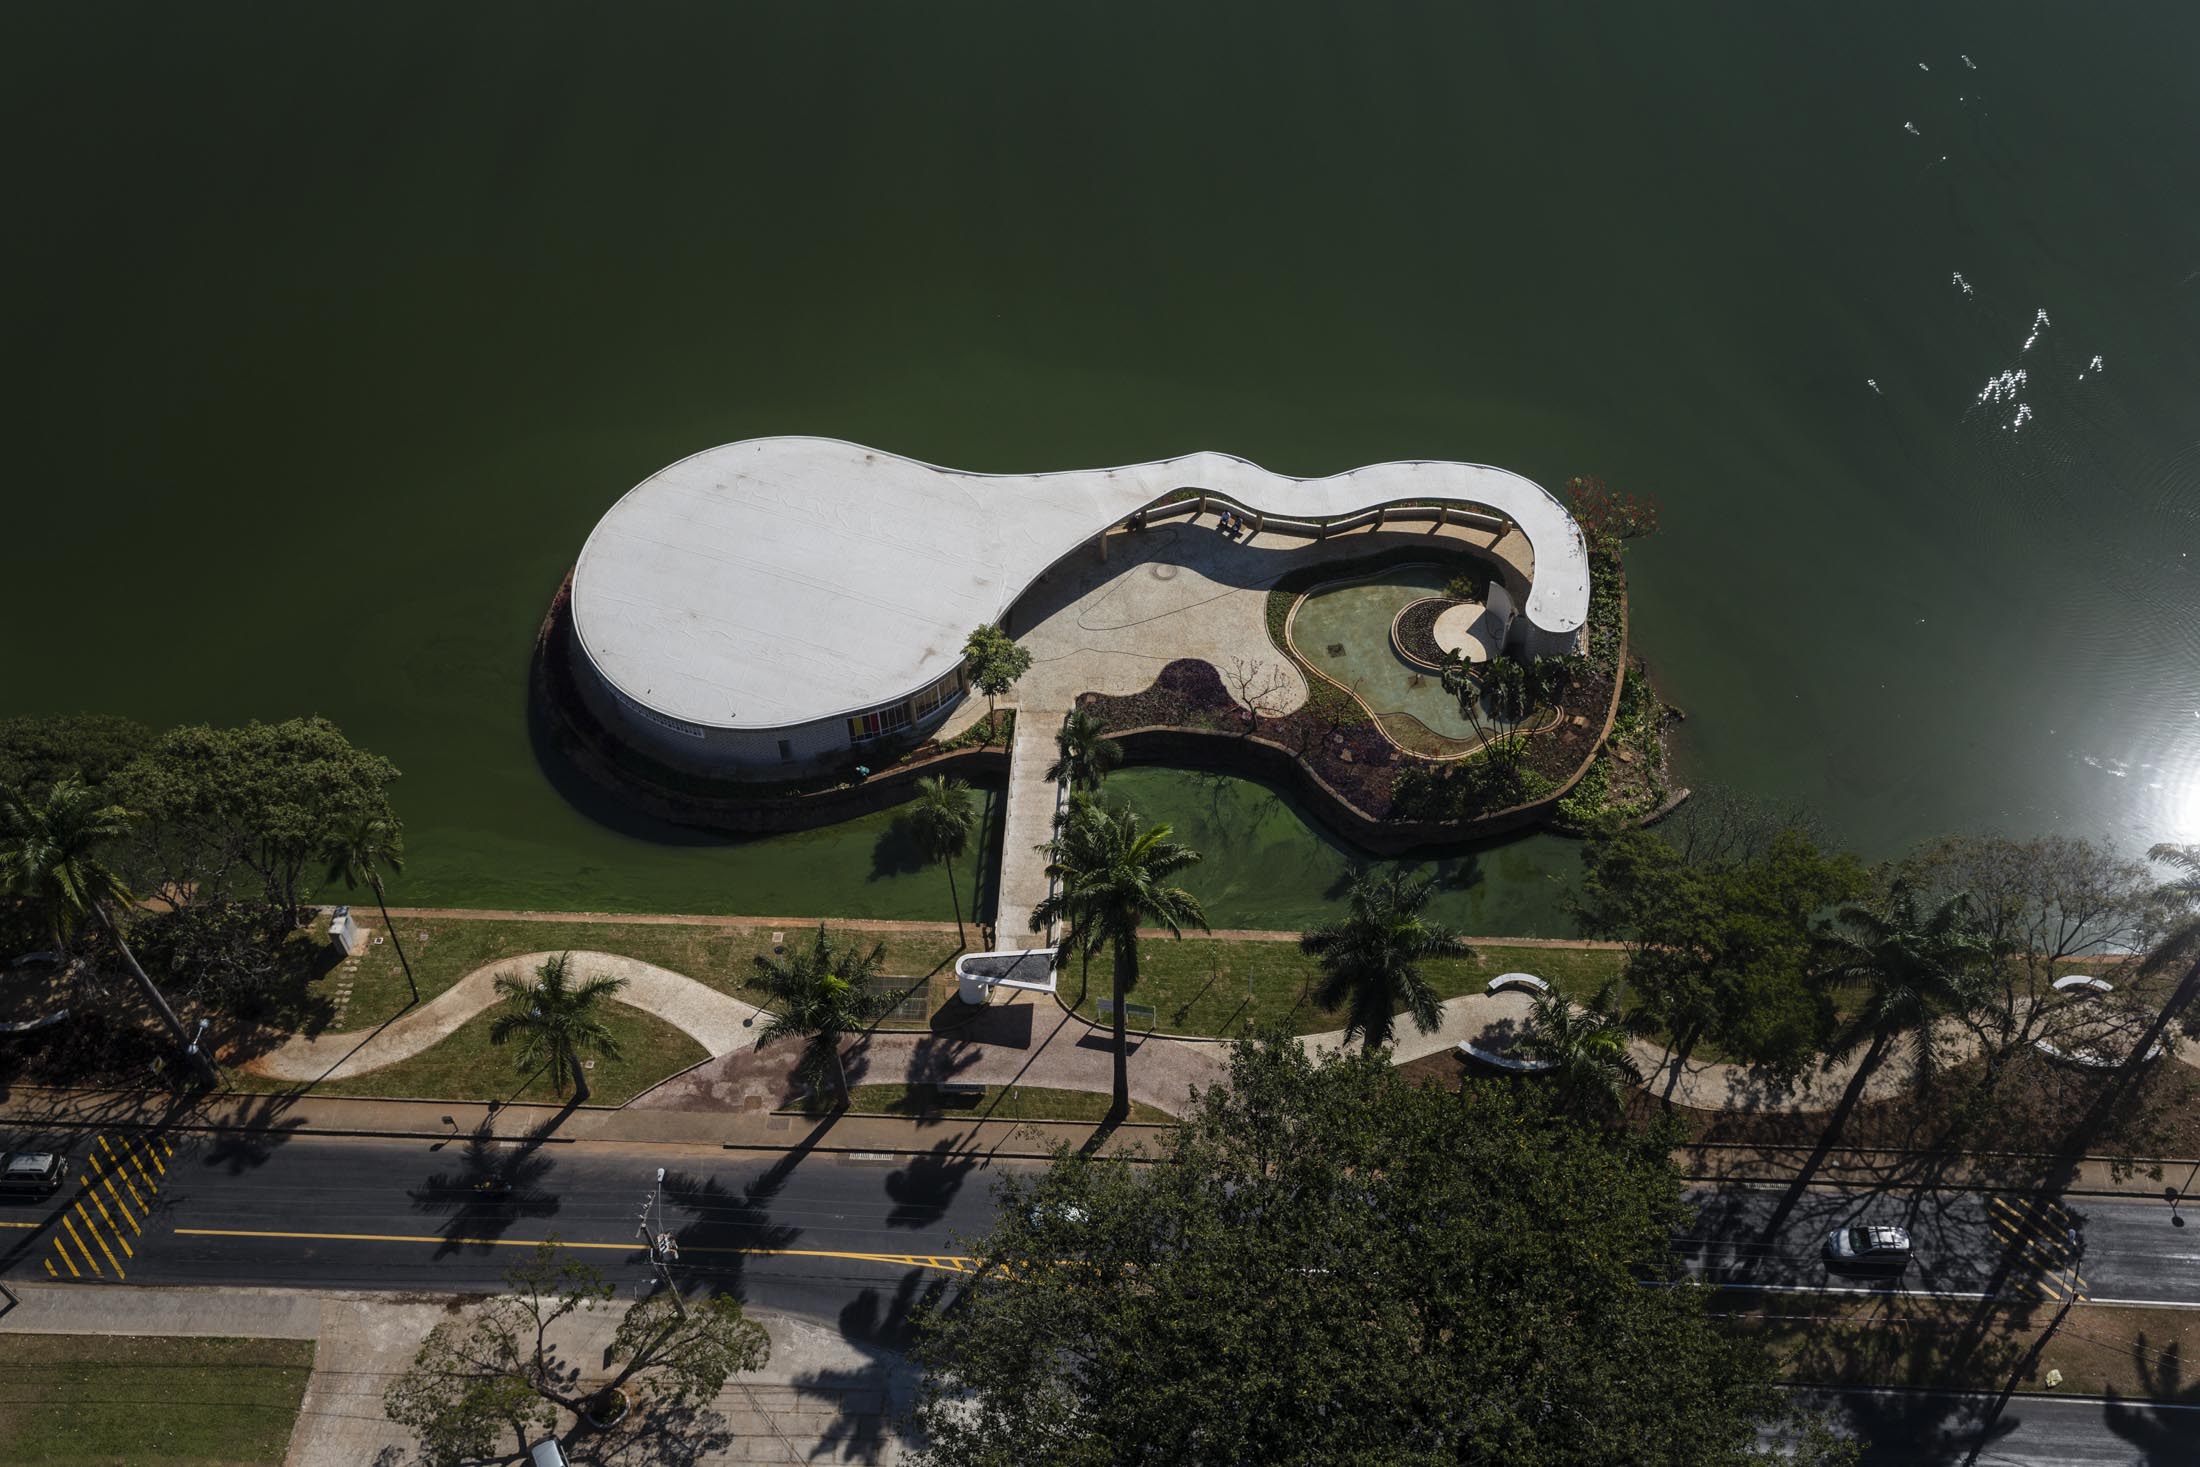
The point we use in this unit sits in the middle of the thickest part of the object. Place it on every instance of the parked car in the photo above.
(1864, 1246)
(32, 1173)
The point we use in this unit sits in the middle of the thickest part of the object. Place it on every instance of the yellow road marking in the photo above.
(103, 1212)
(80, 1244)
(50, 1270)
(150, 1156)
(167, 1148)
(111, 1192)
(118, 1156)
(63, 1254)
(99, 1238)
(17, 1225)
(910, 1260)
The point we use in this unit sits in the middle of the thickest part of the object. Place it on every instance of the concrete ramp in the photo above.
(1027, 825)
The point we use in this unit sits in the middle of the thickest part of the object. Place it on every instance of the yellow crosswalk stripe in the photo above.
(80, 1244)
(101, 1239)
(103, 1212)
(139, 1167)
(119, 1207)
(63, 1254)
(151, 1155)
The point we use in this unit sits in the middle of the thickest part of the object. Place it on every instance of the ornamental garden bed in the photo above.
(1346, 757)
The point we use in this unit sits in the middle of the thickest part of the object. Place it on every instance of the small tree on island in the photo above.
(500, 1375)
(994, 661)
(1083, 752)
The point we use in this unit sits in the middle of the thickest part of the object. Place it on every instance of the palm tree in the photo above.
(1916, 967)
(556, 1020)
(361, 852)
(49, 855)
(1587, 1049)
(1109, 876)
(941, 823)
(1371, 957)
(820, 997)
(1084, 754)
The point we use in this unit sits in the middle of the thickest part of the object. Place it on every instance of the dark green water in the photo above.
(331, 329)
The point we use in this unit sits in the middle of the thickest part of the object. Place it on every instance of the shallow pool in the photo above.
(1344, 631)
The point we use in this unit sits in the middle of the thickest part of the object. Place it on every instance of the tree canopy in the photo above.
(222, 810)
(1725, 947)
(37, 753)
(484, 1387)
(1334, 1264)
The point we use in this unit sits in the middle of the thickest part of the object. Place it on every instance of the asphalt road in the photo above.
(1931, 1428)
(844, 1240)
(2134, 1249)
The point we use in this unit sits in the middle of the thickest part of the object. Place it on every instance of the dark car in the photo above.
(32, 1173)
(1868, 1247)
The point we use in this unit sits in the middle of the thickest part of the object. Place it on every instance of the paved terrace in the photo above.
(1180, 589)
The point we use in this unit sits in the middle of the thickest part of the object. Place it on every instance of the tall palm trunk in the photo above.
(1126, 978)
(581, 1091)
(376, 879)
(1683, 1045)
(956, 897)
(153, 994)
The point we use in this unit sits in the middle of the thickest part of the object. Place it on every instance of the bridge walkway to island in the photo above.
(1026, 825)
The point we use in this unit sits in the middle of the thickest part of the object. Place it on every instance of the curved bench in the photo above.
(27, 1026)
(1526, 982)
(1468, 1049)
(2085, 981)
(2089, 1059)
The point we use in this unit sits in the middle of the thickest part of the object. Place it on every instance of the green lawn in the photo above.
(1206, 986)
(119, 1401)
(466, 1066)
(445, 949)
(999, 1103)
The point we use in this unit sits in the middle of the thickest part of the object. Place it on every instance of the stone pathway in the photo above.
(712, 1019)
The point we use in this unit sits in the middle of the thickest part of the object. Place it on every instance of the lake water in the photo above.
(331, 329)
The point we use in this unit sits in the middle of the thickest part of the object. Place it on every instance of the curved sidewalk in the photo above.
(709, 1017)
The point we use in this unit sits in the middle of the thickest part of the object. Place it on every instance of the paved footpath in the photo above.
(714, 1020)
(821, 1398)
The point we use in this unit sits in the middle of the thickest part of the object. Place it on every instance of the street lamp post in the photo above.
(663, 1250)
(200, 1058)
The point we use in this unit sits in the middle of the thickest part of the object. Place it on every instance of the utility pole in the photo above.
(663, 1251)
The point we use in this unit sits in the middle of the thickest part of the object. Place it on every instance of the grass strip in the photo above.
(1902, 1340)
(128, 1401)
(464, 1065)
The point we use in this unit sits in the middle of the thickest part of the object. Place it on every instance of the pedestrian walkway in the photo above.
(1027, 826)
(822, 1397)
(712, 1019)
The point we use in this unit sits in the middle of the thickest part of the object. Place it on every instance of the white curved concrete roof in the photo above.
(776, 581)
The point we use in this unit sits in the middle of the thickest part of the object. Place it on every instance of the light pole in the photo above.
(200, 1058)
(663, 1251)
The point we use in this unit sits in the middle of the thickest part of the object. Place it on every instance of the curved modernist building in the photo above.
(765, 605)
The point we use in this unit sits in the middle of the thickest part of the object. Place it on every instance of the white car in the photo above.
(1868, 1247)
